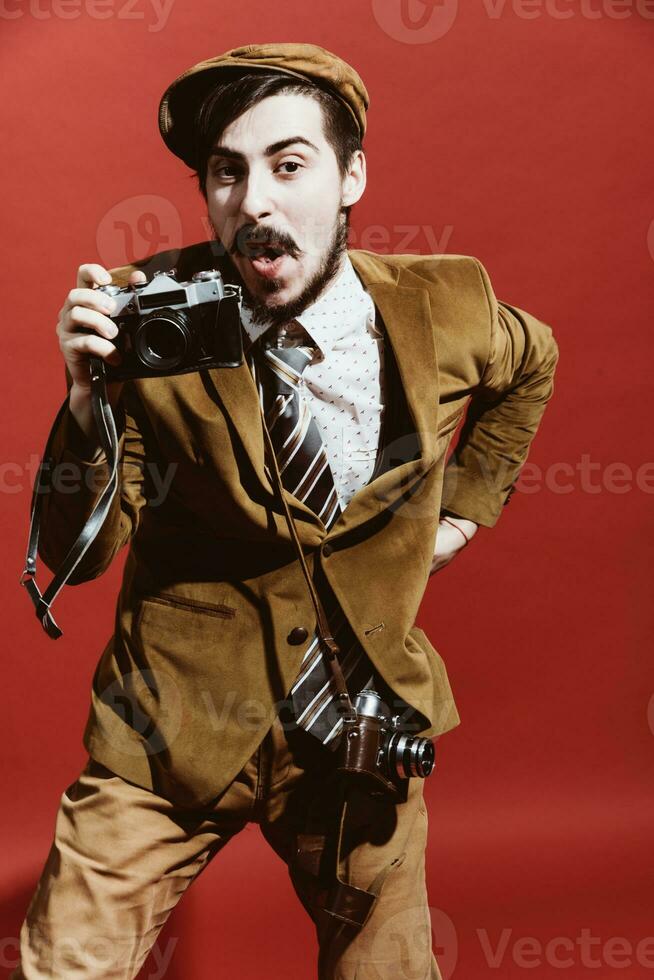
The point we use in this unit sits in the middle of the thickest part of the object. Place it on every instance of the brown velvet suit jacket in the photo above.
(200, 658)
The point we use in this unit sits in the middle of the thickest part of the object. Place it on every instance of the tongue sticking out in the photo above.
(268, 264)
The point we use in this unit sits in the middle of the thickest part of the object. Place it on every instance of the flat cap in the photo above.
(308, 61)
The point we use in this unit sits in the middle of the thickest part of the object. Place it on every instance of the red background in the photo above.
(527, 142)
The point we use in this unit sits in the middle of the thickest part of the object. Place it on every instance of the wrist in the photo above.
(79, 395)
(81, 409)
(463, 525)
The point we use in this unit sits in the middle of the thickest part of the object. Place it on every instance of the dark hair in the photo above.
(233, 96)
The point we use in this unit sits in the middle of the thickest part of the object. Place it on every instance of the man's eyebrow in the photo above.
(226, 151)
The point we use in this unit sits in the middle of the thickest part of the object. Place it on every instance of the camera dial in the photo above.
(205, 276)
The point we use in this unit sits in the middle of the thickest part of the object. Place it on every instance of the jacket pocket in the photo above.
(185, 603)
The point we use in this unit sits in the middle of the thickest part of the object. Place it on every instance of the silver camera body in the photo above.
(374, 750)
(397, 752)
(166, 327)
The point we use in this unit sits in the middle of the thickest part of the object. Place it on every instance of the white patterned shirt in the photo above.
(343, 383)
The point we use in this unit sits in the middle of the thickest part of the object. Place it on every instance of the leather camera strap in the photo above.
(106, 427)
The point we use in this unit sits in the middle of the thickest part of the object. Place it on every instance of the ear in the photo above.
(354, 182)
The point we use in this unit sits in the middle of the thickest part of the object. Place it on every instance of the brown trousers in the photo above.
(123, 856)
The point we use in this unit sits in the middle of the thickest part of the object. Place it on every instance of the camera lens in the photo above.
(410, 755)
(162, 339)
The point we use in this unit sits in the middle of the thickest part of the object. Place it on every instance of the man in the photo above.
(203, 716)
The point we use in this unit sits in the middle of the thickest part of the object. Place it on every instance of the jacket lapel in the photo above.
(411, 410)
(408, 442)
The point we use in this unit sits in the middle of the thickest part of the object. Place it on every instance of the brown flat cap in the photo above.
(309, 61)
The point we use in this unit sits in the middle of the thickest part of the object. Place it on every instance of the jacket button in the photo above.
(297, 635)
(327, 550)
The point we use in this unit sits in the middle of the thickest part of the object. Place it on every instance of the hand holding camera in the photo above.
(85, 330)
(145, 330)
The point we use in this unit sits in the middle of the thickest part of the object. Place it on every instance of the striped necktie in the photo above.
(305, 472)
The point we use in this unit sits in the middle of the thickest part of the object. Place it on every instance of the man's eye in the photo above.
(291, 163)
(220, 171)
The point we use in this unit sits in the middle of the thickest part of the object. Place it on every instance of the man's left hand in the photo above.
(451, 539)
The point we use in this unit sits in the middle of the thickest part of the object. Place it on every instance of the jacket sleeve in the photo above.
(78, 477)
(503, 415)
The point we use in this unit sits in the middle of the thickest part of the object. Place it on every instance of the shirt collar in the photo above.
(344, 308)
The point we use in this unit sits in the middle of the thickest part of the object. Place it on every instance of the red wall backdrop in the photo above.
(518, 132)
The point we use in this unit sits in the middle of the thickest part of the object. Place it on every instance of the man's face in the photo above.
(274, 198)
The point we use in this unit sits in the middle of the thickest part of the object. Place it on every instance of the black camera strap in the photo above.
(106, 427)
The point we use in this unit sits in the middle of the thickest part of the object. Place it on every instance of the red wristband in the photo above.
(457, 527)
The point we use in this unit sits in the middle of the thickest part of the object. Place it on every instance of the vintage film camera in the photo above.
(377, 751)
(168, 327)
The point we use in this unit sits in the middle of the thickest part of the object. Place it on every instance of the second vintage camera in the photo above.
(377, 751)
(167, 327)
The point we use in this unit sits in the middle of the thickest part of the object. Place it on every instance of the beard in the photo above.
(279, 314)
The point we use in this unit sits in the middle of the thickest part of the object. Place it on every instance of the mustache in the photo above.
(252, 240)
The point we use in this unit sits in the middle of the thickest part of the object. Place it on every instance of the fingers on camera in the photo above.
(84, 320)
(90, 298)
(91, 344)
(91, 274)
